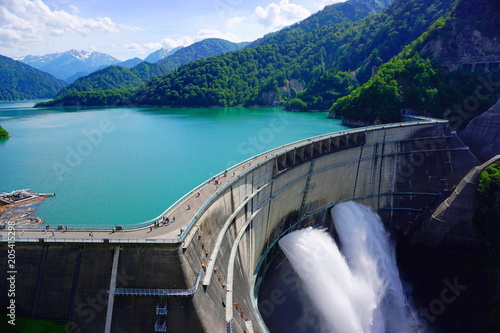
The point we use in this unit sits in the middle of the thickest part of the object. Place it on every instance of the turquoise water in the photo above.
(127, 165)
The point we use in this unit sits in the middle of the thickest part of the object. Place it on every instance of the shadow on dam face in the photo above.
(400, 170)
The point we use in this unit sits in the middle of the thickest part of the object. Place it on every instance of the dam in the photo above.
(201, 272)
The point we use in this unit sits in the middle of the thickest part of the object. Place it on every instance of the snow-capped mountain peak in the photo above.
(65, 65)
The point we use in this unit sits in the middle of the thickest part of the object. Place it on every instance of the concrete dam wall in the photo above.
(402, 171)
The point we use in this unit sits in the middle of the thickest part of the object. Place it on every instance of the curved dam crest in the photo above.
(400, 170)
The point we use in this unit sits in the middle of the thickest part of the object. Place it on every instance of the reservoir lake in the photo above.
(121, 166)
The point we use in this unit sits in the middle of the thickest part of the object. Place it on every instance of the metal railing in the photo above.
(161, 292)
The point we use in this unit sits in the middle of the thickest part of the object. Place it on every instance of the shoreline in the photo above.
(22, 213)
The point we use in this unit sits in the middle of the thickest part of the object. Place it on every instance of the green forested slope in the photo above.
(19, 81)
(314, 63)
(114, 77)
(287, 61)
(412, 80)
(349, 11)
(202, 49)
(238, 78)
(123, 79)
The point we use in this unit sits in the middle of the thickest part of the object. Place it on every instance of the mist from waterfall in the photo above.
(355, 288)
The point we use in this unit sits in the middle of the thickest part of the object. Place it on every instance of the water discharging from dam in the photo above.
(355, 288)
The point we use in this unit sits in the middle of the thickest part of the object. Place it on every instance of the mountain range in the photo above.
(317, 60)
(119, 77)
(65, 65)
(73, 64)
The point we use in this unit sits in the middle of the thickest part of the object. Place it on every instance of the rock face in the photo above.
(482, 135)
(471, 33)
(275, 98)
(467, 43)
(449, 226)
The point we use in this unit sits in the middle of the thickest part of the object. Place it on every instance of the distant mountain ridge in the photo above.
(64, 65)
(117, 77)
(130, 62)
(19, 81)
(202, 49)
(160, 54)
(113, 77)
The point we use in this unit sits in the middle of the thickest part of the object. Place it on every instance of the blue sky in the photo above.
(127, 29)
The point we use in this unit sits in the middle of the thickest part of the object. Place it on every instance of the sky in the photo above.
(134, 28)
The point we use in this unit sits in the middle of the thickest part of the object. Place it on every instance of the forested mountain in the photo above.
(280, 67)
(71, 64)
(202, 49)
(117, 77)
(130, 62)
(114, 77)
(349, 11)
(19, 81)
(433, 74)
(379, 62)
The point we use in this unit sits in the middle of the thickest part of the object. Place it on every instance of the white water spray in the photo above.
(357, 289)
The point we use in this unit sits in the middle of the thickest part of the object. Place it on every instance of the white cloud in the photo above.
(150, 47)
(25, 22)
(234, 21)
(169, 43)
(323, 3)
(165, 43)
(74, 9)
(133, 47)
(212, 33)
(280, 15)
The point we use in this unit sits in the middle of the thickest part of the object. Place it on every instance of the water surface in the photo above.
(127, 165)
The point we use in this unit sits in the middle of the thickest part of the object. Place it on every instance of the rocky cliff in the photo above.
(449, 226)
(482, 135)
(471, 33)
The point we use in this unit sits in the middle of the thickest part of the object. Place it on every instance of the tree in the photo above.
(296, 104)
(3, 133)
